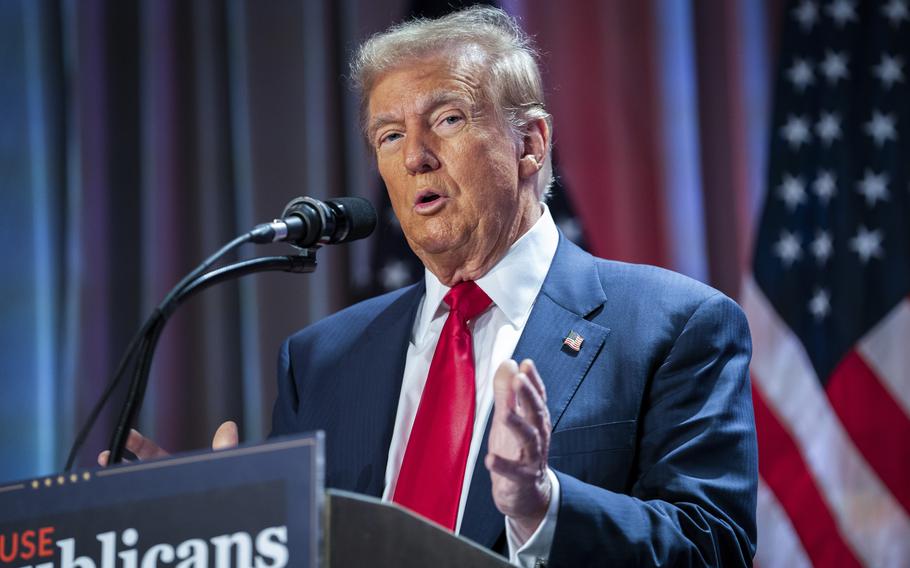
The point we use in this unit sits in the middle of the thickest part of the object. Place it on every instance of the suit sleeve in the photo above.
(692, 494)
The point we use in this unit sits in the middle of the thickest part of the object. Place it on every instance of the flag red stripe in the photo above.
(878, 426)
(787, 475)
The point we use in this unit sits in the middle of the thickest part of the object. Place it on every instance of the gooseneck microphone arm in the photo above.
(128, 415)
(306, 224)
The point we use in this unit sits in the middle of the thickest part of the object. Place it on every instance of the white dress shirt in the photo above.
(513, 285)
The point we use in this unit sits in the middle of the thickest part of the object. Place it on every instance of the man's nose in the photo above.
(419, 157)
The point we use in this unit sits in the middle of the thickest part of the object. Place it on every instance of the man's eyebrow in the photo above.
(425, 104)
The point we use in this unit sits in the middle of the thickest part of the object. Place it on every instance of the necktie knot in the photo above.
(467, 299)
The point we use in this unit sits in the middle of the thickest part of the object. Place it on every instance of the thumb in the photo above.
(503, 396)
(226, 436)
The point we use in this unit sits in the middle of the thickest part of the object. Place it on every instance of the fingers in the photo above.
(514, 470)
(226, 436)
(528, 437)
(530, 405)
(144, 448)
(141, 446)
(503, 395)
(521, 419)
(527, 367)
(105, 457)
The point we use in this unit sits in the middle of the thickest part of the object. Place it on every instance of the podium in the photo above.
(254, 506)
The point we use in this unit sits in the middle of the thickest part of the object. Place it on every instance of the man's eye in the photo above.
(452, 119)
(390, 137)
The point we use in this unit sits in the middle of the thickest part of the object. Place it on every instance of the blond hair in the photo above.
(510, 60)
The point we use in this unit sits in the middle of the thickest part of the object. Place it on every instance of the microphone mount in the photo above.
(306, 224)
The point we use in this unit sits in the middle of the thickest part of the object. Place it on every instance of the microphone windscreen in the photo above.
(361, 216)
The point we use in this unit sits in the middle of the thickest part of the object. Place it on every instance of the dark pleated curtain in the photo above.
(169, 128)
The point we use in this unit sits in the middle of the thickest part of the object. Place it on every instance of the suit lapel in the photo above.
(570, 292)
(377, 399)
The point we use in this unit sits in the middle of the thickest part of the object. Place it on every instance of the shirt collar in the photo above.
(513, 283)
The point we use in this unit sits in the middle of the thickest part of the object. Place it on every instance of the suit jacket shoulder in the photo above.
(653, 439)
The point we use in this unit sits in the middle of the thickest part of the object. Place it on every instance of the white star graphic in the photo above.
(822, 247)
(796, 131)
(889, 71)
(874, 187)
(806, 14)
(570, 228)
(792, 191)
(824, 186)
(881, 128)
(820, 304)
(801, 74)
(788, 248)
(834, 67)
(896, 11)
(394, 275)
(867, 244)
(828, 127)
(841, 11)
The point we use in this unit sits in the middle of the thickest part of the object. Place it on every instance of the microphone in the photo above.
(307, 222)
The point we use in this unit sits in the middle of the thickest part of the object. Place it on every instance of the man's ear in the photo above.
(535, 144)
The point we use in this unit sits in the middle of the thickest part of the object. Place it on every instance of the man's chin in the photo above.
(435, 246)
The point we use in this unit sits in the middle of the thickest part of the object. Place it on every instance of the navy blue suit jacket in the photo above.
(653, 433)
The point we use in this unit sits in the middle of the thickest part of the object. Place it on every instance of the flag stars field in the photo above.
(801, 74)
(834, 67)
(874, 187)
(828, 128)
(842, 12)
(820, 304)
(889, 70)
(824, 186)
(867, 244)
(796, 131)
(881, 128)
(806, 13)
(793, 192)
(822, 247)
(788, 248)
(896, 12)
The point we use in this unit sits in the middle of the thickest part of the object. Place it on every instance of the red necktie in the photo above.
(432, 472)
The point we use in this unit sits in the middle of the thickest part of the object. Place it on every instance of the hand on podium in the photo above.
(226, 436)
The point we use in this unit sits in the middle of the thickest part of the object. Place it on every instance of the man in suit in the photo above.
(625, 435)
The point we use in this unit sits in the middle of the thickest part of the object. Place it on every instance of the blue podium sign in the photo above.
(258, 506)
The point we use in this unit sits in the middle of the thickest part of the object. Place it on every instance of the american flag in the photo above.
(573, 341)
(828, 297)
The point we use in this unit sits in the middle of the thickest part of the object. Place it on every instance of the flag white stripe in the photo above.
(887, 351)
(778, 543)
(870, 519)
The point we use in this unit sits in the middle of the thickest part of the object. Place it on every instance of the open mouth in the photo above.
(427, 197)
(429, 202)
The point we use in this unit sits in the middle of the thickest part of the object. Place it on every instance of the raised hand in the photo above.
(518, 446)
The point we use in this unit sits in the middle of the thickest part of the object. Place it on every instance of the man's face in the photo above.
(451, 166)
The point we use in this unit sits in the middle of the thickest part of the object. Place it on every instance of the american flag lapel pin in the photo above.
(573, 341)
